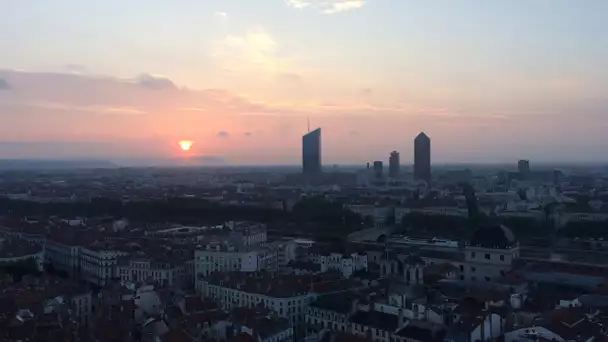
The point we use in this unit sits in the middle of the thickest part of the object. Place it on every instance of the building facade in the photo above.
(220, 259)
(394, 165)
(99, 266)
(166, 273)
(378, 169)
(422, 158)
(311, 152)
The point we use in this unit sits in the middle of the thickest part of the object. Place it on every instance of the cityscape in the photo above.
(452, 188)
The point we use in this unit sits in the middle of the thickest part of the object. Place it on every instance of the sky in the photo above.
(488, 81)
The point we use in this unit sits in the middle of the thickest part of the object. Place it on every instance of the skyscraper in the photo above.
(422, 158)
(394, 165)
(311, 152)
(378, 169)
(523, 166)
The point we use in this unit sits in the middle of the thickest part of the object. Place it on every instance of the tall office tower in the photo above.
(523, 166)
(394, 166)
(422, 158)
(311, 152)
(378, 169)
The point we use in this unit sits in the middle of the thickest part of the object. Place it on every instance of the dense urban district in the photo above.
(479, 253)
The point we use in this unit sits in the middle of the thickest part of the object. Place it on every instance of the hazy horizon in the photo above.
(489, 82)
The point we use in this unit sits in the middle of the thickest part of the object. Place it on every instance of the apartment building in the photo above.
(99, 263)
(225, 258)
(489, 255)
(64, 254)
(287, 295)
(166, 270)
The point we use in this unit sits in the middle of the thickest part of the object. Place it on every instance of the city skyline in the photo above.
(240, 80)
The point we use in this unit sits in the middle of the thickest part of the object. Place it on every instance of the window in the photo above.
(473, 255)
(472, 269)
(488, 279)
(502, 258)
(461, 268)
(488, 256)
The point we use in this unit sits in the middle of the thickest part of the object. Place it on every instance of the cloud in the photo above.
(92, 109)
(75, 69)
(154, 82)
(4, 84)
(68, 107)
(256, 45)
(253, 56)
(220, 15)
(327, 6)
(248, 134)
(290, 77)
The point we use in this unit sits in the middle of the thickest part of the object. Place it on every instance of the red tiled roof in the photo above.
(196, 304)
(348, 337)
(243, 337)
(176, 335)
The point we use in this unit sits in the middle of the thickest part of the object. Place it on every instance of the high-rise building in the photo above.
(523, 166)
(311, 152)
(422, 158)
(394, 166)
(378, 169)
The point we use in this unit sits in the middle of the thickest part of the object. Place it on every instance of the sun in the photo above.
(186, 145)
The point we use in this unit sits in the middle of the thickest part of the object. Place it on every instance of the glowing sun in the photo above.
(185, 145)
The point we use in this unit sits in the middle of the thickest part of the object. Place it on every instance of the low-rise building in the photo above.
(227, 258)
(99, 263)
(287, 295)
(164, 268)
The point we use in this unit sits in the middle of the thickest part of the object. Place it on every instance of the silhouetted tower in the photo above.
(523, 166)
(378, 169)
(311, 152)
(394, 166)
(422, 158)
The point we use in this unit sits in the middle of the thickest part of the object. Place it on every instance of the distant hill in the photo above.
(39, 164)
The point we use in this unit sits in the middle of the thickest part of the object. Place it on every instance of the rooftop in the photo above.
(285, 286)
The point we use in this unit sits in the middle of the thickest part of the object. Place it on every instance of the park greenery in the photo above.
(312, 217)
(18, 269)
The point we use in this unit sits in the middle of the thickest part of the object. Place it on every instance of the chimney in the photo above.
(403, 321)
(354, 306)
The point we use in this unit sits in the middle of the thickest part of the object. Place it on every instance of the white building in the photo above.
(287, 295)
(167, 272)
(489, 255)
(99, 264)
(221, 258)
(63, 256)
(346, 264)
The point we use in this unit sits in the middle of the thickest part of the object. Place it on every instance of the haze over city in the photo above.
(488, 81)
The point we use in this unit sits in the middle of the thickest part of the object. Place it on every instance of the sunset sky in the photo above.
(488, 81)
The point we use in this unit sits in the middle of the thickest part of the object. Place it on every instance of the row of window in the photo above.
(488, 256)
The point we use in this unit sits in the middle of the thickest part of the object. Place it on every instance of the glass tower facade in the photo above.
(311, 152)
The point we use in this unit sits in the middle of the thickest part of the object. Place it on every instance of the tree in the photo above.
(19, 269)
(472, 206)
